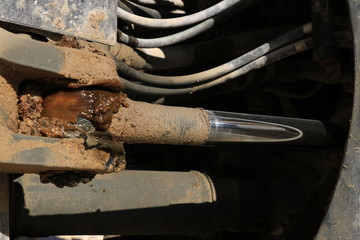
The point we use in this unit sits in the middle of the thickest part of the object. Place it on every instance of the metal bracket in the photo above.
(91, 19)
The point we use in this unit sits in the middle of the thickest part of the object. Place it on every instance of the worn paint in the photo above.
(91, 19)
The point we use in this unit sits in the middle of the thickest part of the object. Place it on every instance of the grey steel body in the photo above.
(91, 19)
(130, 203)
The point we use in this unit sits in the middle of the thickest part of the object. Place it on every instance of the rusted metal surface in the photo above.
(23, 153)
(4, 207)
(76, 68)
(91, 19)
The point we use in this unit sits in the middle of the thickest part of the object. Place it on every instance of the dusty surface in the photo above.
(150, 123)
(20, 153)
(30, 108)
(96, 18)
(58, 23)
(9, 82)
(62, 154)
(90, 69)
(128, 56)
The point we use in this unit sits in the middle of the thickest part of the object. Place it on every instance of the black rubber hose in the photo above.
(174, 3)
(126, 5)
(272, 57)
(204, 76)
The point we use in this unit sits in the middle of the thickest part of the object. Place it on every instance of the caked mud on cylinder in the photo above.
(149, 123)
(128, 121)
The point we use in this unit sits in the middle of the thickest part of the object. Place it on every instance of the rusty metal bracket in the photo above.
(91, 19)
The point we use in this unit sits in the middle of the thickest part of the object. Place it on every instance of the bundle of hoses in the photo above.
(149, 84)
(270, 52)
(203, 20)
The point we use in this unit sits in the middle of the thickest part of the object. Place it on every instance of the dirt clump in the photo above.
(29, 108)
(9, 82)
(68, 41)
(90, 66)
(66, 178)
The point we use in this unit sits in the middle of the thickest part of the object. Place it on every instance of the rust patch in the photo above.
(68, 41)
(58, 113)
(64, 154)
(98, 106)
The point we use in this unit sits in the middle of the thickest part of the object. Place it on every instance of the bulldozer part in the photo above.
(132, 203)
(33, 154)
(156, 124)
(159, 203)
(149, 123)
(93, 20)
(38, 60)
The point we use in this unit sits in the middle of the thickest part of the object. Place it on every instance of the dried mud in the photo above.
(21, 115)
(61, 154)
(68, 179)
(9, 82)
(156, 124)
(90, 67)
(96, 18)
(29, 108)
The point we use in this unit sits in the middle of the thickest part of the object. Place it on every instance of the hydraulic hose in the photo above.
(272, 57)
(133, 7)
(198, 54)
(179, 21)
(167, 40)
(175, 3)
(200, 77)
